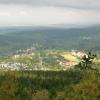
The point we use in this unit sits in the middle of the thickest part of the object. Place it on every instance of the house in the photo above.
(79, 54)
(69, 64)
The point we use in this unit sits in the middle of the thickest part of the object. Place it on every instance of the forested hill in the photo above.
(15, 38)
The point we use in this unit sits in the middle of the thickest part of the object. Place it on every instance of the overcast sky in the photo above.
(49, 12)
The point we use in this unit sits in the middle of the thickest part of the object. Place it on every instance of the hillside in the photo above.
(14, 38)
(47, 70)
(50, 85)
(33, 74)
(44, 59)
(33, 59)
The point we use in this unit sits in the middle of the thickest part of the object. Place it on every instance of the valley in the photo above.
(34, 59)
(15, 38)
(44, 64)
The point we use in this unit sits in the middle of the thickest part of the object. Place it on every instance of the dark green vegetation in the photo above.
(87, 61)
(12, 39)
(50, 85)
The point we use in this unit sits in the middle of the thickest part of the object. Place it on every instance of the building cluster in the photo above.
(70, 63)
(20, 52)
(78, 54)
(13, 66)
(30, 52)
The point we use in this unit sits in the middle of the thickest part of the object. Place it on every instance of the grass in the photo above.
(69, 56)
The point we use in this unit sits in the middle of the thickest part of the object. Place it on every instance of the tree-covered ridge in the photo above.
(12, 39)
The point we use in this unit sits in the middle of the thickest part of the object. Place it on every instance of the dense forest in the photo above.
(50, 85)
(14, 38)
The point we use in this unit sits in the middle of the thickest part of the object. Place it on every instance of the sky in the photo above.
(49, 12)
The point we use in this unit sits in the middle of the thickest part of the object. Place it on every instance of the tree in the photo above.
(87, 61)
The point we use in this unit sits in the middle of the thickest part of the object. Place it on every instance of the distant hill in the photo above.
(14, 38)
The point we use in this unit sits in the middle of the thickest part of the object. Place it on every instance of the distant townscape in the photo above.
(33, 59)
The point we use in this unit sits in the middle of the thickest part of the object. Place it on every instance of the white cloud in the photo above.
(4, 14)
(23, 12)
(81, 4)
(27, 15)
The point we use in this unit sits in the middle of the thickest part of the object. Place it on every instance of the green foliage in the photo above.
(14, 38)
(50, 85)
(87, 61)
